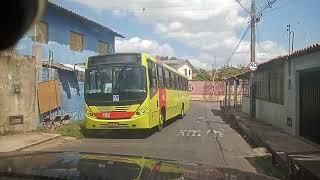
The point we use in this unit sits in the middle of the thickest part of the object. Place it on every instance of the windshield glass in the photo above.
(123, 80)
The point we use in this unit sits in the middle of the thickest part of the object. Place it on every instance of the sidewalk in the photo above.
(18, 142)
(285, 149)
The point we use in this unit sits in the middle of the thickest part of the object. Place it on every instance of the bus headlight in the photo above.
(89, 113)
(141, 111)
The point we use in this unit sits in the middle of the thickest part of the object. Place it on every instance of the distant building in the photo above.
(65, 38)
(286, 92)
(182, 66)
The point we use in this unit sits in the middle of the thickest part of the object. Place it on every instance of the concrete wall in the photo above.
(18, 72)
(245, 107)
(182, 70)
(307, 62)
(272, 113)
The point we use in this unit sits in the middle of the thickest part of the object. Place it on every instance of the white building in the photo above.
(287, 92)
(182, 66)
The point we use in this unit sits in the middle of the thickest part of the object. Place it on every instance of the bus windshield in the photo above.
(122, 80)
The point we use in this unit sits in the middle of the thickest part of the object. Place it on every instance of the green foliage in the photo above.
(265, 164)
(73, 129)
(203, 75)
(229, 71)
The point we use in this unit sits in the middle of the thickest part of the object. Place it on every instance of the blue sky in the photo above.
(184, 29)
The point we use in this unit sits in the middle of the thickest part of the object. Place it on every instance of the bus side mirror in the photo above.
(190, 87)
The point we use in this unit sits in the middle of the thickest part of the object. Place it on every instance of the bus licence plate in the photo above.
(112, 125)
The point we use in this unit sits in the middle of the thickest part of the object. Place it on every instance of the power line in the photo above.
(244, 34)
(268, 4)
(242, 6)
(280, 7)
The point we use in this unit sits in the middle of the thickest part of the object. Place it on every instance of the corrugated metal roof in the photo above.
(84, 18)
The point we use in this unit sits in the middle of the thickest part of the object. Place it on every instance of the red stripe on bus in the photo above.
(113, 115)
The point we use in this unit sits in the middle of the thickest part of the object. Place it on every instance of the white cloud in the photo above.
(211, 27)
(137, 44)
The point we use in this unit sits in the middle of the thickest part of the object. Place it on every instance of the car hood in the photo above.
(76, 165)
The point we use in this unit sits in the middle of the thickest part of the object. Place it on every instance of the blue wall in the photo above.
(60, 23)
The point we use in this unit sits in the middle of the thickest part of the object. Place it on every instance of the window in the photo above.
(152, 72)
(40, 32)
(185, 84)
(161, 79)
(102, 47)
(167, 79)
(76, 41)
(179, 82)
(176, 81)
(185, 72)
(189, 72)
(172, 83)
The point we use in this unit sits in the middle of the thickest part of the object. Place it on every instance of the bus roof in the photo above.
(157, 60)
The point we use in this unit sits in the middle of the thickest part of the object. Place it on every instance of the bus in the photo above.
(132, 91)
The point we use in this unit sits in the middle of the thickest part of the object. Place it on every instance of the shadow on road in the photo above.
(124, 134)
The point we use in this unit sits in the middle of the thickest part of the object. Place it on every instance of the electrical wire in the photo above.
(244, 34)
(280, 7)
(243, 6)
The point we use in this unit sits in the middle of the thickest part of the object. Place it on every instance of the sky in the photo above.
(206, 32)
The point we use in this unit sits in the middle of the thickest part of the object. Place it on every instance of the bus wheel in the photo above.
(161, 122)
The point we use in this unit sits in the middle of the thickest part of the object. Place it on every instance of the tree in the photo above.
(203, 75)
(229, 71)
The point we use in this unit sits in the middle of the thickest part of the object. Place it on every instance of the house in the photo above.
(286, 92)
(182, 66)
(61, 41)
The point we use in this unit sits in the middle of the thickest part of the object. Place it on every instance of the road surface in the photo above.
(199, 137)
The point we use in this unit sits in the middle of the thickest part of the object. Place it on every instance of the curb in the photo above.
(37, 143)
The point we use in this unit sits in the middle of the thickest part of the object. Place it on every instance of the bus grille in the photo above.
(121, 108)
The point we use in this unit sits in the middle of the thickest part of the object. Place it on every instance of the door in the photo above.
(153, 94)
(310, 105)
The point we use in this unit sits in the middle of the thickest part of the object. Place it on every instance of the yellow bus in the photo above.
(132, 91)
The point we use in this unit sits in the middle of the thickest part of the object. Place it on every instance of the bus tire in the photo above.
(181, 112)
(161, 121)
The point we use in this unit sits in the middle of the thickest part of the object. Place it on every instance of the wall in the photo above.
(59, 26)
(245, 107)
(18, 71)
(272, 113)
(182, 68)
(298, 64)
(207, 90)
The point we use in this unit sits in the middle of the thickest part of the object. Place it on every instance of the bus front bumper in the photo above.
(140, 122)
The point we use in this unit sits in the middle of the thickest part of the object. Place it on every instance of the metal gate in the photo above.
(310, 105)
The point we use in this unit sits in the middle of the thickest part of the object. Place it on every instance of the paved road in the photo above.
(199, 137)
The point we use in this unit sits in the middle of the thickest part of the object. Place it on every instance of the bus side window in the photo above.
(176, 82)
(172, 84)
(161, 79)
(152, 72)
(167, 79)
(179, 82)
(185, 84)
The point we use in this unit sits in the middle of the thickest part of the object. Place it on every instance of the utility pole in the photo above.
(289, 37)
(253, 58)
(291, 41)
